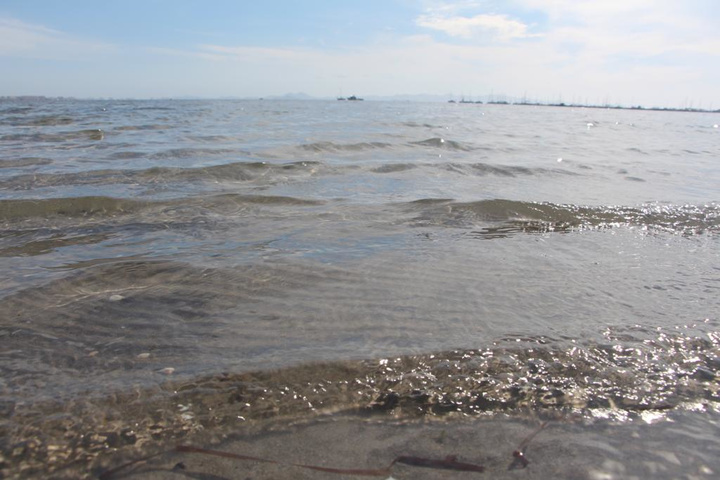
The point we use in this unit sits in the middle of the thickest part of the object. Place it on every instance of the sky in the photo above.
(625, 52)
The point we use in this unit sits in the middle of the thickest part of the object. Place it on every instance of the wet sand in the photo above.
(561, 450)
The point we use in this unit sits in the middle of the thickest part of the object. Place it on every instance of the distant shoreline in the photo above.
(42, 98)
(605, 107)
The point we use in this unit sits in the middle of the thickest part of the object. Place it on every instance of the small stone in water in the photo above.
(167, 371)
(143, 355)
(703, 373)
(116, 298)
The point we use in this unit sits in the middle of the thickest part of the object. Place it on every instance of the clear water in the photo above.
(486, 259)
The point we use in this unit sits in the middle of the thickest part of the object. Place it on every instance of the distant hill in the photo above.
(293, 96)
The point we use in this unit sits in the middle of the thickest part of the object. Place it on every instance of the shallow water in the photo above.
(441, 259)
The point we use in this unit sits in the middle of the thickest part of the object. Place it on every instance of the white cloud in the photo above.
(255, 53)
(629, 27)
(500, 27)
(451, 8)
(21, 39)
(588, 8)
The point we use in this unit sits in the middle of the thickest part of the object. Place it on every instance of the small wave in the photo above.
(432, 201)
(474, 169)
(40, 243)
(25, 162)
(421, 125)
(156, 109)
(133, 128)
(99, 206)
(40, 121)
(501, 218)
(194, 153)
(482, 169)
(234, 199)
(88, 134)
(127, 155)
(538, 375)
(320, 147)
(437, 142)
(16, 110)
(212, 138)
(394, 167)
(231, 172)
(79, 206)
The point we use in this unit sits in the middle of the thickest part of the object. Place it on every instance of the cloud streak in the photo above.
(26, 40)
(499, 27)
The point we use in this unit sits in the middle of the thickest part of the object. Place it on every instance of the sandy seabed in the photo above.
(572, 450)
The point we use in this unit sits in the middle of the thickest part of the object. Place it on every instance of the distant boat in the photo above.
(353, 98)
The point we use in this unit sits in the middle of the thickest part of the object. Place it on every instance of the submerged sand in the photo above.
(563, 449)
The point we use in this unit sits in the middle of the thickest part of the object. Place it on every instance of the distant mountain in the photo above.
(410, 97)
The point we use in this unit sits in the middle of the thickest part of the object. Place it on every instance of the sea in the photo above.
(176, 270)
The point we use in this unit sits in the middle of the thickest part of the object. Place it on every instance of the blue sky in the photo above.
(649, 52)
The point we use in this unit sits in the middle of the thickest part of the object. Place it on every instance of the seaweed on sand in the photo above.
(448, 463)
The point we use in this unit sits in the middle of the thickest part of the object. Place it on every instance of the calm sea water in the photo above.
(476, 259)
